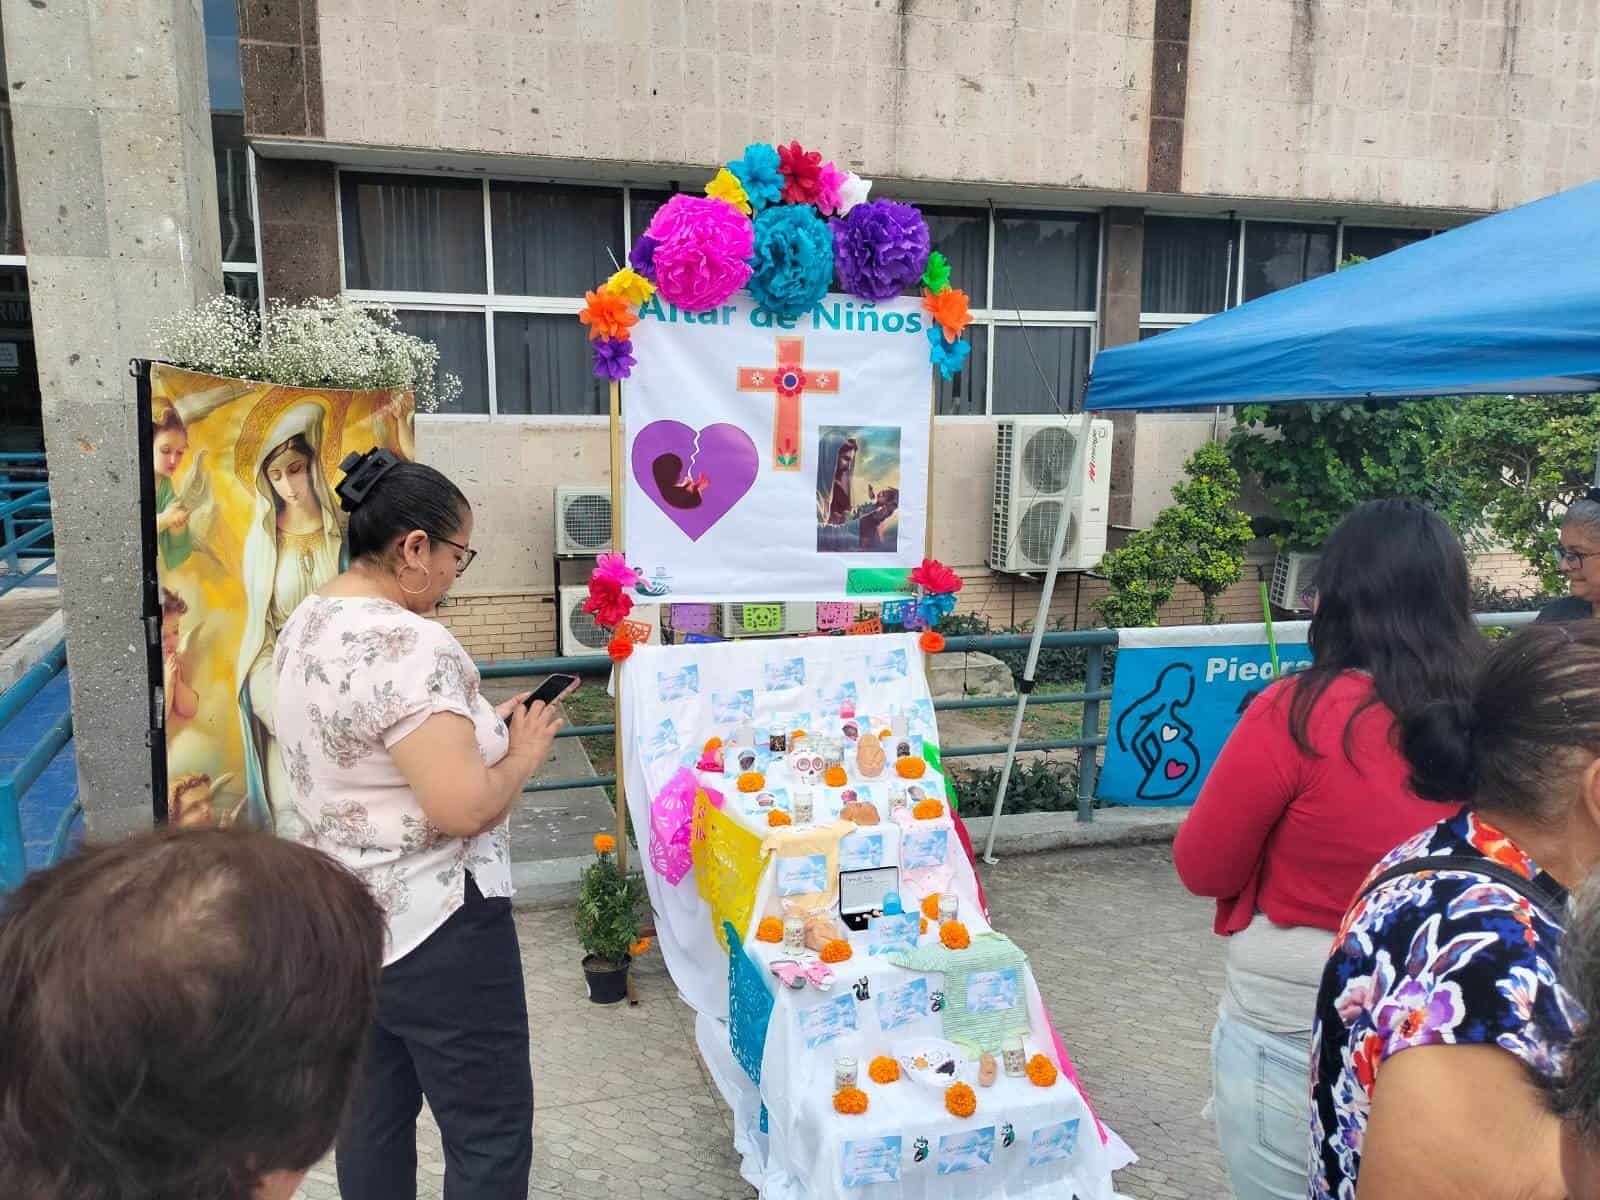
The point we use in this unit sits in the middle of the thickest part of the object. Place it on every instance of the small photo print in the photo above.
(827, 1021)
(861, 851)
(992, 991)
(886, 668)
(835, 698)
(675, 685)
(924, 848)
(802, 875)
(661, 741)
(783, 674)
(858, 489)
(903, 1005)
(732, 708)
(968, 1151)
(874, 1161)
(1053, 1143)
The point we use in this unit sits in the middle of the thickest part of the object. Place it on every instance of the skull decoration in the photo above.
(806, 764)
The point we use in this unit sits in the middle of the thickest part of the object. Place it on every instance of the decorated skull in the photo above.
(806, 764)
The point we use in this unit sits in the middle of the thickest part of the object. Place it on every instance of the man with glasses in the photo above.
(1578, 558)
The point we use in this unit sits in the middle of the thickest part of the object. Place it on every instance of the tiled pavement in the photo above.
(1124, 957)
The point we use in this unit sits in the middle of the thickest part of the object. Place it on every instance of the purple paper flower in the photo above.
(613, 358)
(879, 249)
(642, 258)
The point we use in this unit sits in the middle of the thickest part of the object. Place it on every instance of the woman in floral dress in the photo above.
(400, 769)
(1440, 1011)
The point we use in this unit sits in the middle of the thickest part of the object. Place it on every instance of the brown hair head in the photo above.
(181, 1014)
(172, 604)
(165, 419)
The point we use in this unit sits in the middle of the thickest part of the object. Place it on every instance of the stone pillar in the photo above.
(1119, 324)
(111, 120)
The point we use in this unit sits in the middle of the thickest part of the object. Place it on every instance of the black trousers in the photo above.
(452, 1025)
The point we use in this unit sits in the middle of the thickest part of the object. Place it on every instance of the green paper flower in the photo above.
(937, 277)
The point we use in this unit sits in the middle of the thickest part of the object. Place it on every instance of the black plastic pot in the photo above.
(608, 982)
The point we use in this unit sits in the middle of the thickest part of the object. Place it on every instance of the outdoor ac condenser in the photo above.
(747, 620)
(1032, 463)
(1292, 573)
(583, 521)
(581, 636)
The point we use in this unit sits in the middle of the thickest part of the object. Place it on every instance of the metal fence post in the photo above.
(13, 559)
(1088, 760)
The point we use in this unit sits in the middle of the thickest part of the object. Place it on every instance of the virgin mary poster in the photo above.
(245, 527)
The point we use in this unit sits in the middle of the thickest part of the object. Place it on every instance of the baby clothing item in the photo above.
(985, 997)
(819, 843)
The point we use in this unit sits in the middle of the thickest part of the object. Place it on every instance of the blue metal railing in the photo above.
(13, 786)
(26, 527)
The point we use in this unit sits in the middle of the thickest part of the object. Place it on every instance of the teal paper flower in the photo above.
(759, 175)
(792, 264)
(949, 357)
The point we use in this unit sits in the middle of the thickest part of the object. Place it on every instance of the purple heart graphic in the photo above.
(694, 477)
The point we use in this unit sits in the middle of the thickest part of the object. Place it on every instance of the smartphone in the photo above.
(552, 689)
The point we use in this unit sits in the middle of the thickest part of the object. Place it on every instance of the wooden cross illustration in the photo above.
(789, 380)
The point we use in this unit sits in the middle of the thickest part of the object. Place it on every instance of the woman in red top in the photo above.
(1309, 792)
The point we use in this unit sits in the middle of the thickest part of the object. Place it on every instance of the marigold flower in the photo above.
(927, 810)
(836, 951)
(1041, 1071)
(770, 930)
(604, 843)
(883, 1069)
(961, 1100)
(910, 768)
(850, 1101)
(835, 777)
(639, 947)
(752, 781)
(711, 744)
(954, 935)
(778, 817)
(930, 906)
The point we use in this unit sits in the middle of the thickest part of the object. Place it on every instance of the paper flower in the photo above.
(949, 357)
(852, 1102)
(751, 782)
(852, 191)
(604, 843)
(778, 817)
(835, 777)
(793, 260)
(960, 1100)
(613, 358)
(879, 249)
(802, 173)
(948, 309)
(937, 277)
(700, 251)
(770, 930)
(883, 1069)
(1041, 1071)
(631, 286)
(619, 649)
(931, 642)
(725, 186)
(933, 576)
(954, 935)
(639, 947)
(836, 951)
(642, 258)
(759, 176)
(609, 584)
(930, 906)
(606, 314)
(829, 182)
(936, 607)
(910, 768)
(928, 810)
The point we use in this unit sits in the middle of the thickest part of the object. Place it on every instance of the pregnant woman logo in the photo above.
(1161, 740)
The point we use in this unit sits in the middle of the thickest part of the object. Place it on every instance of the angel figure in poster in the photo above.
(183, 702)
(185, 515)
(294, 547)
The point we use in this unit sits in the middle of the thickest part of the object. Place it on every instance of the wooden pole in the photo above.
(616, 544)
(933, 411)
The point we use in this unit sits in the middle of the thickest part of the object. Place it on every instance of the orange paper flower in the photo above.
(883, 1069)
(931, 642)
(752, 781)
(770, 930)
(835, 777)
(639, 947)
(949, 309)
(927, 810)
(1041, 1071)
(910, 768)
(604, 843)
(836, 951)
(798, 733)
(778, 817)
(930, 906)
(954, 935)
(961, 1100)
(619, 649)
(850, 1101)
(607, 315)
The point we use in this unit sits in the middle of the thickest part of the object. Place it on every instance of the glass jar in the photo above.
(794, 935)
(949, 906)
(844, 1072)
(1016, 1058)
(801, 807)
(778, 739)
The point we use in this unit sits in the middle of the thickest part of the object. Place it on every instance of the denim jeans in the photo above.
(1261, 1105)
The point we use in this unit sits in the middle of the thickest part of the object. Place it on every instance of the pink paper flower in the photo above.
(935, 578)
(609, 602)
(830, 188)
(700, 248)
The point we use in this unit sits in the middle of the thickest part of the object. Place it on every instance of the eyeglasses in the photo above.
(1571, 558)
(467, 554)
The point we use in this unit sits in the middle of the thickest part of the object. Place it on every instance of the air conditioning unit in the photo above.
(1032, 466)
(759, 620)
(583, 521)
(1293, 573)
(581, 637)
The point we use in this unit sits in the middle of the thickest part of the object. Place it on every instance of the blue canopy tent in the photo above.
(1510, 303)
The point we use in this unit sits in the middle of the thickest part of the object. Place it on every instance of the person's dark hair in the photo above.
(406, 496)
(1574, 1094)
(167, 420)
(1507, 744)
(181, 1014)
(172, 604)
(1394, 599)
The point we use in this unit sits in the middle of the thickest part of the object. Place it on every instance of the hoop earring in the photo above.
(401, 580)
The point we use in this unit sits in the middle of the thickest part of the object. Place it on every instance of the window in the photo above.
(1373, 241)
(1188, 265)
(495, 271)
(1280, 254)
(236, 206)
(221, 19)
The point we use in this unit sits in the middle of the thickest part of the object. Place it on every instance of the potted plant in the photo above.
(608, 922)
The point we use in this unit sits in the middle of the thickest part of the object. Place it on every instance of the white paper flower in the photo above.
(852, 191)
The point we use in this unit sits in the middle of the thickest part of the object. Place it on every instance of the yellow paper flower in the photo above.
(631, 286)
(725, 185)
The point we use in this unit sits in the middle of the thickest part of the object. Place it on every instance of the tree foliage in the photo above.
(1198, 539)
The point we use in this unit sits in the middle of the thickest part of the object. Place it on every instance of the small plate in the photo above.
(934, 1062)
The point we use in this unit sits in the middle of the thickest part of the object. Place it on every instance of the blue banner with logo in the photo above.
(1175, 698)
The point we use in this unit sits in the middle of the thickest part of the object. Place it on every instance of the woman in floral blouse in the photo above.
(401, 770)
(1440, 1010)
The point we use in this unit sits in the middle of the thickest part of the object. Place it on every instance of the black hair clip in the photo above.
(361, 474)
